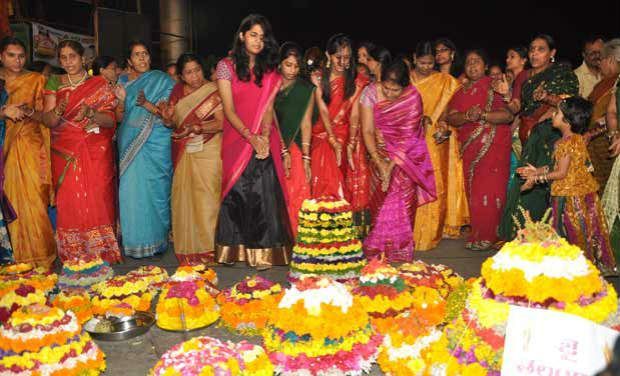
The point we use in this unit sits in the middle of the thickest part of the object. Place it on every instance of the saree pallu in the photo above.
(83, 174)
(538, 139)
(412, 183)
(6, 210)
(328, 179)
(28, 180)
(290, 106)
(485, 149)
(253, 222)
(145, 168)
(197, 180)
(598, 146)
(581, 221)
(446, 215)
(611, 197)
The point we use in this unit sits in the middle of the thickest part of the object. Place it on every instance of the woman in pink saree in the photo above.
(253, 221)
(402, 173)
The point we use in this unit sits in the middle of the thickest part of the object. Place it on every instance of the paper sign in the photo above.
(551, 343)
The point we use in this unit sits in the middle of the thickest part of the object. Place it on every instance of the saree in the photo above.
(329, 179)
(197, 179)
(446, 215)
(145, 168)
(538, 139)
(412, 183)
(485, 149)
(6, 210)
(577, 212)
(290, 106)
(28, 178)
(611, 196)
(597, 147)
(83, 173)
(253, 221)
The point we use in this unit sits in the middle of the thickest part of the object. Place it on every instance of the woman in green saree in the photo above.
(293, 105)
(547, 85)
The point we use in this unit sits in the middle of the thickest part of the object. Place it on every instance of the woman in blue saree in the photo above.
(145, 162)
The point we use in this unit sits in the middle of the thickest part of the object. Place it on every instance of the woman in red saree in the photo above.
(253, 222)
(485, 137)
(337, 95)
(82, 123)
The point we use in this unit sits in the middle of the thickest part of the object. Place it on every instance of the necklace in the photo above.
(79, 82)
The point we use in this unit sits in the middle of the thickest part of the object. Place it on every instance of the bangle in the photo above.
(29, 114)
(305, 144)
(483, 117)
(507, 98)
(611, 134)
(306, 158)
(284, 151)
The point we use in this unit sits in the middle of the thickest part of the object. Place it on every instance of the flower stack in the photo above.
(77, 301)
(185, 303)
(539, 269)
(134, 291)
(382, 292)
(320, 328)
(84, 272)
(209, 356)
(155, 276)
(436, 276)
(21, 285)
(326, 241)
(245, 307)
(42, 340)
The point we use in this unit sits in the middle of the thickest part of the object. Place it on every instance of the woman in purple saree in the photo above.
(402, 174)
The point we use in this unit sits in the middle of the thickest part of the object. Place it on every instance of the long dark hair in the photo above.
(335, 43)
(380, 55)
(397, 72)
(290, 49)
(457, 64)
(424, 49)
(266, 61)
(101, 62)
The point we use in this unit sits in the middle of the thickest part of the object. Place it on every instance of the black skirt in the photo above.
(253, 223)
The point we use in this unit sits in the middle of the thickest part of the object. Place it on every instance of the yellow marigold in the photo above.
(473, 369)
(598, 311)
(331, 323)
(382, 303)
(490, 313)
(540, 288)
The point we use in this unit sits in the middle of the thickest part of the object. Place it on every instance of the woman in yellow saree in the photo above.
(27, 165)
(445, 216)
(196, 148)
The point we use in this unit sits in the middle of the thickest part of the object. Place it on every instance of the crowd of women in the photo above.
(219, 161)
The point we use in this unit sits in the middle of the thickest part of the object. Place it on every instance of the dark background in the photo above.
(397, 25)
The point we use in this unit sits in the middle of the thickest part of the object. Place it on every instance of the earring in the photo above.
(328, 64)
(553, 59)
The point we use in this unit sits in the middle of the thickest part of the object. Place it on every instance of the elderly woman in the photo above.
(484, 132)
(611, 195)
(600, 98)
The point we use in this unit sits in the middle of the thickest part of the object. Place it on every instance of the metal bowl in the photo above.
(123, 329)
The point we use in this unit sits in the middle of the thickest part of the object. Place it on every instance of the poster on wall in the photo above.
(45, 39)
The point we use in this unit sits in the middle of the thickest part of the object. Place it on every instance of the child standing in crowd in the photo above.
(577, 212)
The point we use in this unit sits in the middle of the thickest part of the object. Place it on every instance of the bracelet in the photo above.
(483, 117)
(306, 158)
(611, 134)
(284, 151)
(27, 114)
(507, 98)
(57, 112)
(305, 144)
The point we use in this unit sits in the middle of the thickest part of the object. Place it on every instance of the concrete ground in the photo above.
(137, 356)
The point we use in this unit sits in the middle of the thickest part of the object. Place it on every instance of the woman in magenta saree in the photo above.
(402, 173)
(485, 137)
(83, 161)
(253, 221)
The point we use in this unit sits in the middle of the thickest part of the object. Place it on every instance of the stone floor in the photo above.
(137, 356)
